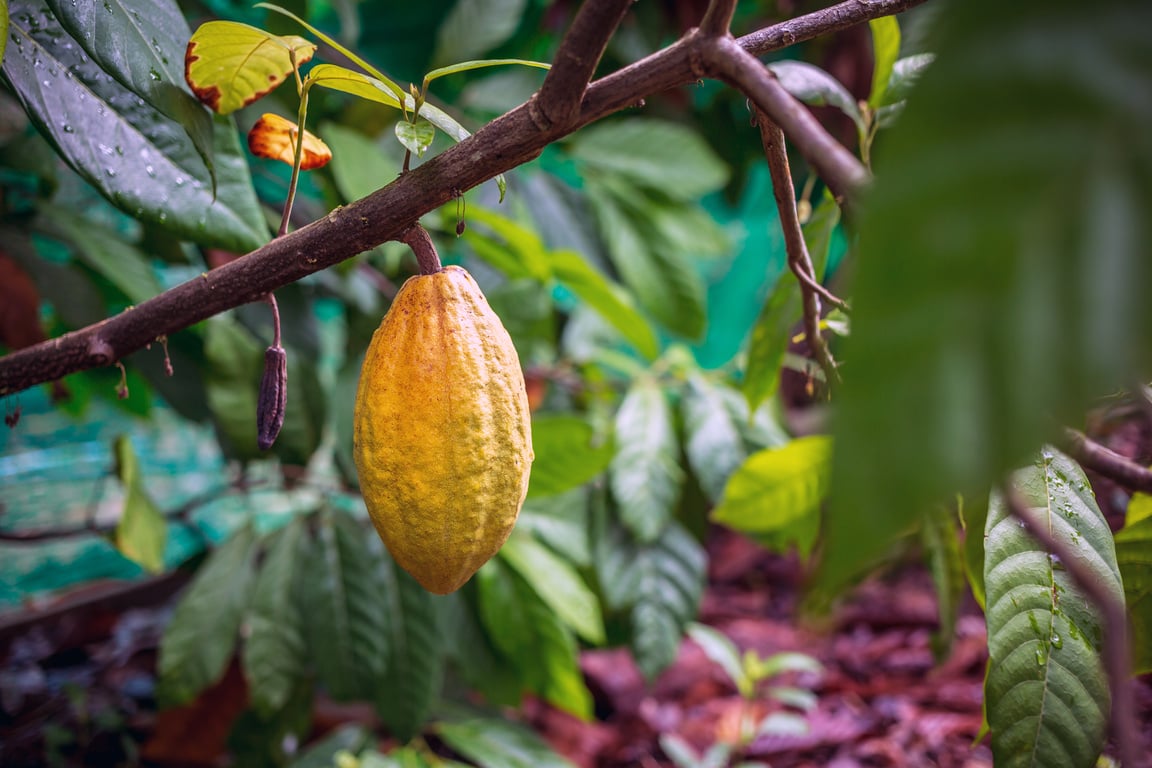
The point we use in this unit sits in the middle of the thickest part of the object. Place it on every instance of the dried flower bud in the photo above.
(460, 226)
(12, 418)
(273, 397)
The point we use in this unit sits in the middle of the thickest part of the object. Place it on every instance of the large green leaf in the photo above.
(561, 522)
(143, 48)
(411, 683)
(1003, 262)
(473, 654)
(496, 742)
(1134, 555)
(567, 454)
(116, 260)
(777, 487)
(612, 302)
(346, 626)
(1046, 694)
(134, 155)
(474, 27)
(714, 444)
(660, 155)
(646, 473)
(359, 166)
(558, 585)
(191, 658)
(660, 582)
(141, 532)
(273, 652)
(531, 635)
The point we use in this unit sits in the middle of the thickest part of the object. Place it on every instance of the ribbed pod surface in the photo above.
(442, 439)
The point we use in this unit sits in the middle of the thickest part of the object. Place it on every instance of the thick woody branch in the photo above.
(718, 18)
(503, 144)
(798, 259)
(558, 102)
(823, 22)
(838, 167)
(1116, 646)
(1106, 462)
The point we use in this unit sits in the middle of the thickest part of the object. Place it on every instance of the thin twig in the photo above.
(718, 18)
(558, 102)
(1116, 650)
(798, 259)
(1107, 462)
(501, 145)
(839, 168)
(826, 294)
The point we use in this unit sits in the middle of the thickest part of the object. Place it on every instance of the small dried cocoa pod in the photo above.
(273, 397)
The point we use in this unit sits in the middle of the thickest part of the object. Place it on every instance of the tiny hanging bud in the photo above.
(12, 418)
(273, 397)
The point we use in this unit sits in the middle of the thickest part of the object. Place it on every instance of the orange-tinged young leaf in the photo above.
(230, 65)
(274, 137)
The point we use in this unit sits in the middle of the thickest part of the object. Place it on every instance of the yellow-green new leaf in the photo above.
(230, 65)
(142, 531)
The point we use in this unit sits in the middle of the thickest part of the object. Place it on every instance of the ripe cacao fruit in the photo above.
(442, 439)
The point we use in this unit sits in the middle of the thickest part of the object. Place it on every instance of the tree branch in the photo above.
(1116, 650)
(823, 22)
(506, 142)
(798, 259)
(557, 104)
(718, 18)
(839, 168)
(1107, 462)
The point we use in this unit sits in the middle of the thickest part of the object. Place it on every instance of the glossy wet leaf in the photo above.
(1046, 692)
(1002, 280)
(142, 532)
(139, 159)
(417, 136)
(815, 87)
(229, 65)
(142, 46)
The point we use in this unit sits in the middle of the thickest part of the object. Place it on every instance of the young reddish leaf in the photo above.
(274, 137)
(230, 65)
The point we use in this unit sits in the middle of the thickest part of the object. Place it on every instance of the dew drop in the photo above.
(67, 128)
(152, 73)
(1041, 657)
(1057, 642)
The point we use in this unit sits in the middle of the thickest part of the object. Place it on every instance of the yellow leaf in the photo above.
(274, 137)
(230, 65)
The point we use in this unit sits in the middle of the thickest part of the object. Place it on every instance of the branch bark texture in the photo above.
(506, 142)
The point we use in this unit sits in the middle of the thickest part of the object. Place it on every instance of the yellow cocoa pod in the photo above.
(442, 440)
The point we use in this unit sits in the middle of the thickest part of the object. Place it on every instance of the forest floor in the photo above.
(882, 700)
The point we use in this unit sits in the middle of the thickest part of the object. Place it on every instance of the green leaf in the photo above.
(141, 532)
(474, 27)
(777, 487)
(144, 51)
(1134, 556)
(815, 87)
(665, 283)
(1046, 694)
(416, 137)
(974, 514)
(465, 66)
(567, 454)
(3, 29)
(661, 582)
(230, 65)
(529, 256)
(346, 628)
(473, 654)
(531, 635)
(273, 653)
(409, 688)
(561, 522)
(714, 444)
(191, 659)
(493, 742)
(946, 561)
(103, 250)
(662, 156)
(359, 166)
(646, 474)
(558, 585)
(140, 160)
(357, 84)
(263, 741)
(722, 652)
(905, 73)
(1002, 280)
(612, 302)
(350, 738)
(885, 49)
